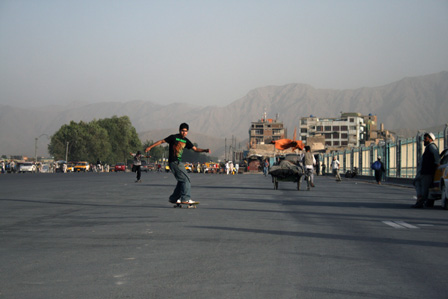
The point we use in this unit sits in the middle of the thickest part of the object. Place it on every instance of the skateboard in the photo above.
(190, 205)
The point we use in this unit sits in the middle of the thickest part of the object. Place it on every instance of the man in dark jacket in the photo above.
(429, 163)
(379, 172)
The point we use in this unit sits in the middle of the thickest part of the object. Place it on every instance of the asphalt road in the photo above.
(89, 235)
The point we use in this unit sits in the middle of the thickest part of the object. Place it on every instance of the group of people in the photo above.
(7, 165)
(178, 142)
(231, 168)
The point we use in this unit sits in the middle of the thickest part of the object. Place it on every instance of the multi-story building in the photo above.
(350, 130)
(265, 130)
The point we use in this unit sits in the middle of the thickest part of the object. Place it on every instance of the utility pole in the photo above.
(66, 152)
(225, 149)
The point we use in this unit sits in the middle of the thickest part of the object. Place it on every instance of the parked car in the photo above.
(151, 167)
(82, 166)
(188, 167)
(144, 166)
(120, 166)
(45, 168)
(71, 166)
(27, 167)
(440, 183)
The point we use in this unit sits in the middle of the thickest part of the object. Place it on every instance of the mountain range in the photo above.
(407, 105)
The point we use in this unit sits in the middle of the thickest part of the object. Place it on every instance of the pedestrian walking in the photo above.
(137, 166)
(309, 161)
(429, 163)
(177, 144)
(379, 169)
(335, 166)
(323, 168)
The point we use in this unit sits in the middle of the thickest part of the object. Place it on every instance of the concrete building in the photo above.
(265, 130)
(349, 130)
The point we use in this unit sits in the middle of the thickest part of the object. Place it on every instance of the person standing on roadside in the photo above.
(137, 165)
(177, 144)
(266, 167)
(335, 166)
(429, 163)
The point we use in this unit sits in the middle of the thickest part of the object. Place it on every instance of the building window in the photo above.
(344, 136)
(344, 128)
(352, 120)
(327, 128)
(328, 143)
(336, 128)
(335, 135)
(319, 128)
(303, 130)
(327, 135)
(336, 143)
(344, 143)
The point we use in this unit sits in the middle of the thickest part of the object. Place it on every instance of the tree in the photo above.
(123, 137)
(109, 140)
(157, 153)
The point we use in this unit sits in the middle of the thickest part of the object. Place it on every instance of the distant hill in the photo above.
(409, 105)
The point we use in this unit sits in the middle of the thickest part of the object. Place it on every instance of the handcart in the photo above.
(286, 171)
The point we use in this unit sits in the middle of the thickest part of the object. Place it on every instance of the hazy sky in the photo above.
(211, 52)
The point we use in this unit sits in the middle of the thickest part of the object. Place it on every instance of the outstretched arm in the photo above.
(200, 150)
(154, 145)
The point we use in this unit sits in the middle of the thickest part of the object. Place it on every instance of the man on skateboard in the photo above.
(177, 144)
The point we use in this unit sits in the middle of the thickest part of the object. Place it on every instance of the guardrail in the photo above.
(400, 158)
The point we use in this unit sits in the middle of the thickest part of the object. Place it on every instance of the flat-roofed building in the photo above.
(265, 130)
(349, 130)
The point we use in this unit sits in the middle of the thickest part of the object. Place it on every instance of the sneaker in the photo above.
(178, 201)
(312, 185)
(172, 201)
(191, 201)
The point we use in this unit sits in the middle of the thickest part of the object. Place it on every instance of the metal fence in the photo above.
(399, 158)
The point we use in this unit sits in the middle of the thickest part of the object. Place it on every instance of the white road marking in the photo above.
(393, 224)
(407, 225)
(400, 224)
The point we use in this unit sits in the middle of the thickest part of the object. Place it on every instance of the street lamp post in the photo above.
(35, 146)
